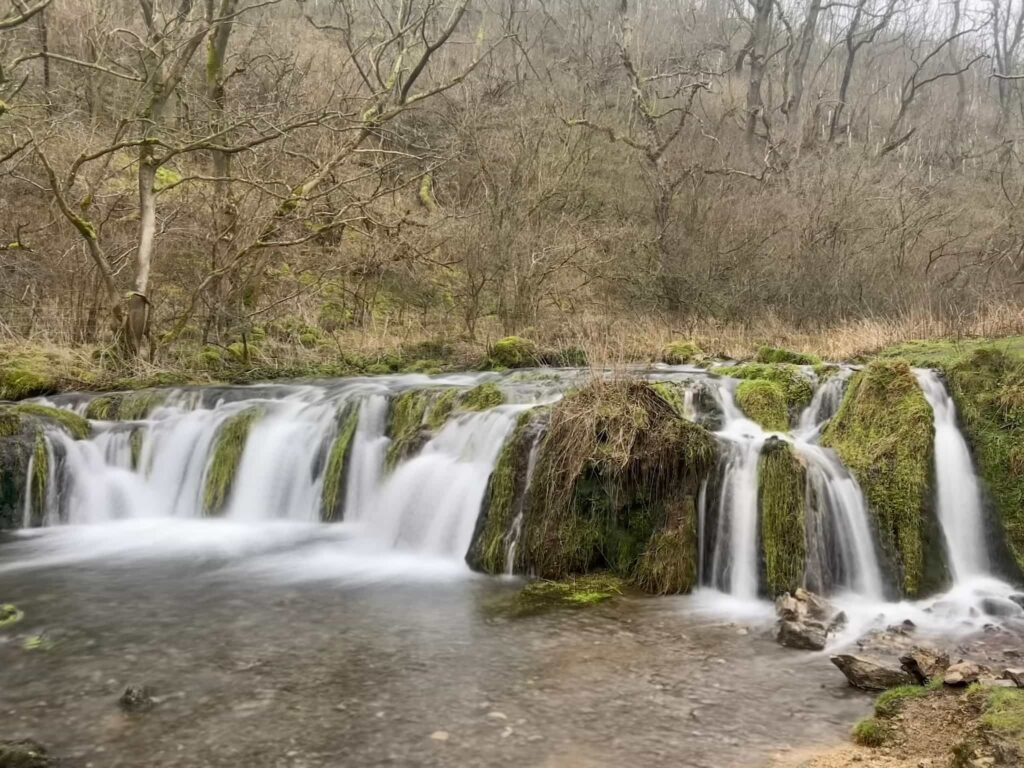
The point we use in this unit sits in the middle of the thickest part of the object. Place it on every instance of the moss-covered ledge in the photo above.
(782, 484)
(884, 434)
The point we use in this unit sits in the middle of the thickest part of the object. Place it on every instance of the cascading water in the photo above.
(958, 496)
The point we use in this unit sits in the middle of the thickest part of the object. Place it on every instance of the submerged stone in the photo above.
(25, 753)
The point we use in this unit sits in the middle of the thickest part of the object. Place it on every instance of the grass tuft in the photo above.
(225, 458)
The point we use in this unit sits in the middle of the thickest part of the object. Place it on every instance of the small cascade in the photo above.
(957, 493)
(736, 557)
(824, 405)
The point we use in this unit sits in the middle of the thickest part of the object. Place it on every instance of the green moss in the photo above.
(67, 420)
(681, 353)
(576, 592)
(616, 466)
(673, 393)
(884, 434)
(406, 419)
(225, 458)
(103, 408)
(825, 371)
(331, 506)
(40, 479)
(778, 355)
(513, 352)
(441, 408)
(782, 482)
(794, 383)
(504, 491)
(10, 422)
(136, 406)
(26, 375)
(135, 440)
(870, 732)
(889, 703)
(764, 402)
(10, 614)
(482, 397)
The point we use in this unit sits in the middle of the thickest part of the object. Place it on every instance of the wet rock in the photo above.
(1016, 675)
(804, 636)
(870, 674)
(924, 664)
(963, 673)
(136, 698)
(23, 754)
(905, 627)
(996, 606)
(1018, 599)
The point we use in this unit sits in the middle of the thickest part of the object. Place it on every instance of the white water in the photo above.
(958, 496)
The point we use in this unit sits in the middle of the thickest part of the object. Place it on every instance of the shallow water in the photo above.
(282, 646)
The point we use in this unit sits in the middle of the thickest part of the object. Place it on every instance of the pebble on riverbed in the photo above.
(136, 698)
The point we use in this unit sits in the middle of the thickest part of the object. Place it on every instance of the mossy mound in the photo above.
(884, 434)
(23, 417)
(681, 353)
(764, 402)
(616, 467)
(779, 355)
(513, 352)
(406, 420)
(668, 565)
(505, 496)
(794, 383)
(482, 397)
(336, 471)
(225, 459)
(572, 593)
(125, 406)
(782, 481)
(673, 393)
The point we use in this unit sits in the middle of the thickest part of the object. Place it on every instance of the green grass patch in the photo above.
(889, 703)
(779, 355)
(226, 456)
(1004, 714)
(681, 353)
(870, 732)
(794, 383)
(331, 499)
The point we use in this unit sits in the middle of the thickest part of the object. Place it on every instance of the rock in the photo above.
(788, 608)
(136, 698)
(963, 673)
(439, 735)
(805, 636)
(996, 606)
(839, 621)
(1018, 599)
(817, 607)
(869, 674)
(1016, 675)
(924, 664)
(23, 754)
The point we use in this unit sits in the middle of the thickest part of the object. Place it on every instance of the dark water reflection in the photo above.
(250, 671)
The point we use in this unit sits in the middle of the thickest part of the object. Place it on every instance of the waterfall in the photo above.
(824, 404)
(517, 522)
(957, 493)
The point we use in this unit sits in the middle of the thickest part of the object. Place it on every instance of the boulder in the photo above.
(1016, 675)
(136, 698)
(870, 674)
(804, 636)
(997, 606)
(963, 673)
(1018, 599)
(924, 664)
(817, 607)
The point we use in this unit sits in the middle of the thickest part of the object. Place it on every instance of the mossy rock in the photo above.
(124, 406)
(513, 352)
(782, 482)
(338, 460)
(668, 564)
(505, 496)
(442, 406)
(27, 374)
(779, 355)
(884, 434)
(681, 353)
(796, 386)
(615, 467)
(406, 421)
(673, 393)
(482, 397)
(26, 417)
(15, 455)
(764, 402)
(225, 459)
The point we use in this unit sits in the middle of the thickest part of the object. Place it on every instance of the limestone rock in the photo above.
(870, 674)
(963, 673)
(805, 636)
(924, 664)
(1016, 675)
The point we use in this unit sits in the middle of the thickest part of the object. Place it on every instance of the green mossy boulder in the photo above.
(26, 417)
(764, 402)
(779, 355)
(332, 497)
(884, 434)
(782, 482)
(796, 386)
(513, 352)
(482, 397)
(681, 353)
(406, 425)
(616, 469)
(225, 459)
